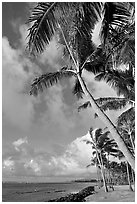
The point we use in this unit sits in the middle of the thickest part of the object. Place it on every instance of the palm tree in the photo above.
(126, 125)
(130, 186)
(75, 22)
(97, 140)
(121, 156)
(101, 145)
(120, 51)
(95, 162)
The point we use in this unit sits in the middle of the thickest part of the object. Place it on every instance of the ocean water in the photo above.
(39, 192)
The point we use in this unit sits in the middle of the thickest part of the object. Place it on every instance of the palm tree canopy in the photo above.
(75, 17)
(76, 21)
(114, 14)
(102, 143)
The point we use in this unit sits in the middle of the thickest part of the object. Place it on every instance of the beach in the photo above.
(120, 194)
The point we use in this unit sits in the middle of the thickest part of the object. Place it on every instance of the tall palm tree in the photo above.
(95, 162)
(101, 145)
(129, 181)
(121, 156)
(97, 141)
(75, 22)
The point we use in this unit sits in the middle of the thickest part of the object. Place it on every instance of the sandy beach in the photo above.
(120, 194)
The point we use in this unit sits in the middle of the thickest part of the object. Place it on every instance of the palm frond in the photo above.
(43, 27)
(89, 165)
(45, 19)
(107, 103)
(97, 61)
(49, 79)
(123, 44)
(95, 115)
(88, 141)
(104, 100)
(85, 105)
(115, 14)
(121, 81)
(77, 90)
(79, 17)
(102, 139)
(94, 153)
(114, 104)
(85, 23)
(126, 115)
(97, 134)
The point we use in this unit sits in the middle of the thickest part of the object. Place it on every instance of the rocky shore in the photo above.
(76, 197)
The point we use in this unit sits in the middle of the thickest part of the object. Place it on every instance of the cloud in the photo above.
(72, 163)
(19, 142)
(17, 71)
(8, 163)
(52, 56)
(32, 165)
(98, 88)
(95, 35)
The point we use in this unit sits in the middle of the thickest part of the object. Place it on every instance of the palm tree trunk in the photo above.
(133, 178)
(98, 178)
(114, 132)
(102, 172)
(133, 146)
(110, 179)
(129, 182)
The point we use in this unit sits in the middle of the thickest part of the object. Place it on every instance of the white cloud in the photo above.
(8, 163)
(19, 142)
(17, 71)
(95, 36)
(8, 166)
(52, 55)
(58, 112)
(33, 165)
(98, 88)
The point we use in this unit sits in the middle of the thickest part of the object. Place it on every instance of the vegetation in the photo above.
(74, 23)
(102, 147)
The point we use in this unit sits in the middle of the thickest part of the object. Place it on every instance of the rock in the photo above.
(87, 191)
(77, 197)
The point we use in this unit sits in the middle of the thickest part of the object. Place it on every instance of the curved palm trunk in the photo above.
(129, 182)
(102, 172)
(115, 134)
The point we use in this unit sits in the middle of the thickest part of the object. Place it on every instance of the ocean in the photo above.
(39, 192)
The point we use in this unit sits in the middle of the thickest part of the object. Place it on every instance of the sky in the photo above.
(42, 137)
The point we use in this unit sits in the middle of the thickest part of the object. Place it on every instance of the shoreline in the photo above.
(121, 193)
(76, 197)
(66, 193)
